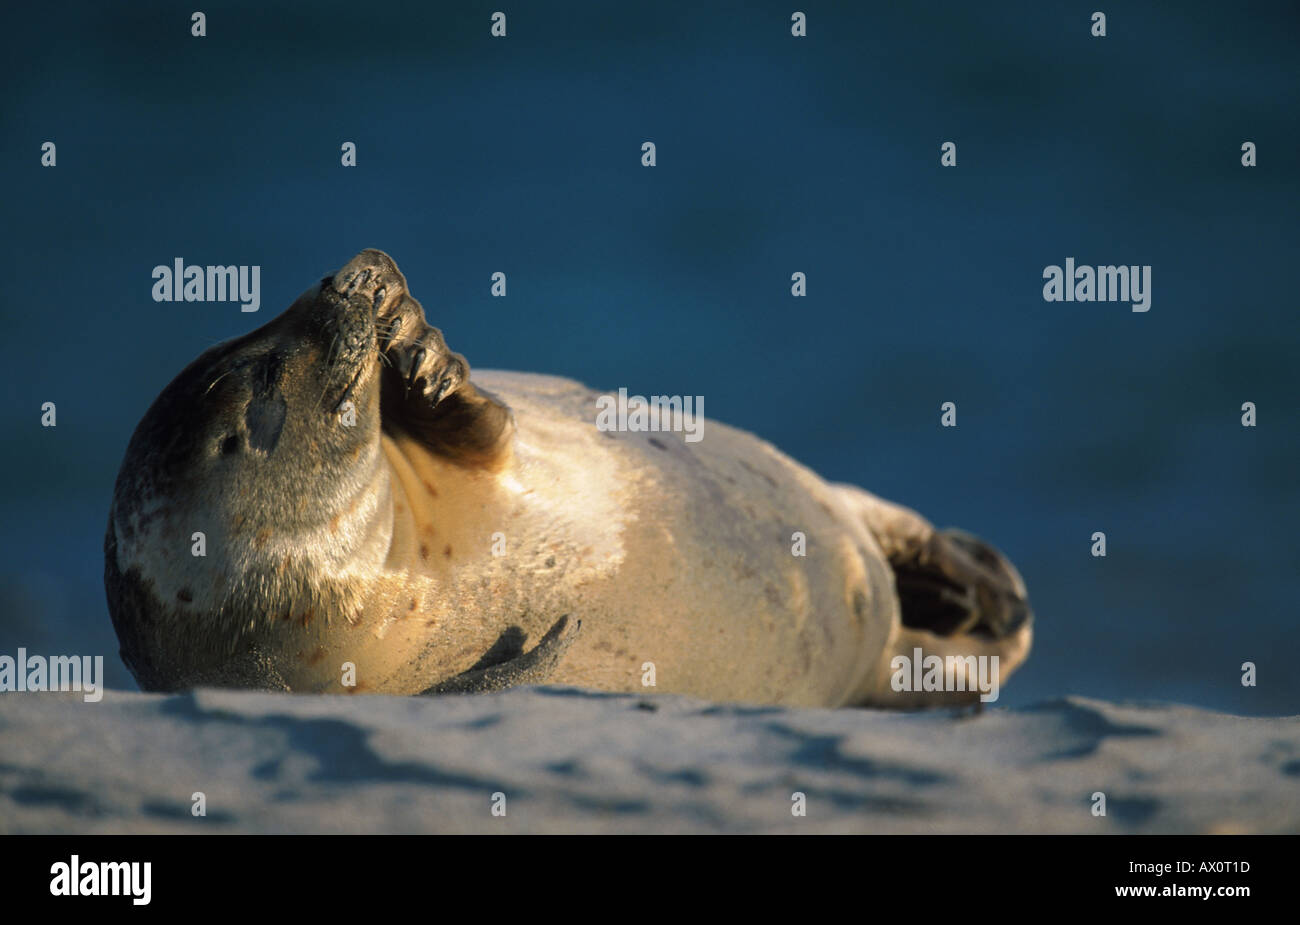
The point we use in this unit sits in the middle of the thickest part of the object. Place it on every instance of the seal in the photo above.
(331, 503)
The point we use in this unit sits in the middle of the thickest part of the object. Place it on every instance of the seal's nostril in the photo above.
(379, 298)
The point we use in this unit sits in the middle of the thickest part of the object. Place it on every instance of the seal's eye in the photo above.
(230, 446)
(266, 406)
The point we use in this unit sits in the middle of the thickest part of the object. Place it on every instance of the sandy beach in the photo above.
(566, 760)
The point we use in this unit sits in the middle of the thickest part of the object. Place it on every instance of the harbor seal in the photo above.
(332, 503)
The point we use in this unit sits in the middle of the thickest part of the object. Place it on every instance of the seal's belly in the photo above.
(684, 561)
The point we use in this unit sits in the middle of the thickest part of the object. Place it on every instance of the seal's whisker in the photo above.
(386, 330)
(216, 380)
(329, 363)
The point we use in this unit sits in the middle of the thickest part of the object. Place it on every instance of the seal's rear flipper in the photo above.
(961, 602)
(958, 599)
(533, 667)
(956, 583)
(949, 583)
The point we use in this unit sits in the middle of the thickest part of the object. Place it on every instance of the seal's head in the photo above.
(255, 489)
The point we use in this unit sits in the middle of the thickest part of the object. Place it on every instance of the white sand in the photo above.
(578, 761)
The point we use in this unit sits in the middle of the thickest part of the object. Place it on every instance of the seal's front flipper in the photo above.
(426, 391)
(532, 667)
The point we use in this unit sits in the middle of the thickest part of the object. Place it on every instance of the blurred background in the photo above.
(775, 155)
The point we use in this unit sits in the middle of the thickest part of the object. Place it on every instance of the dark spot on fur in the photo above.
(447, 551)
(433, 492)
(760, 473)
(550, 562)
(860, 605)
(656, 443)
(424, 551)
(185, 594)
(412, 607)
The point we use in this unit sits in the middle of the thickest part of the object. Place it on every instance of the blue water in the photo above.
(775, 154)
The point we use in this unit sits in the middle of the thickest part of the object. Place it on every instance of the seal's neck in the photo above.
(444, 513)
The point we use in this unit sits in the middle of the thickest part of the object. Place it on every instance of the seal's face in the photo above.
(256, 477)
(286, 401)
